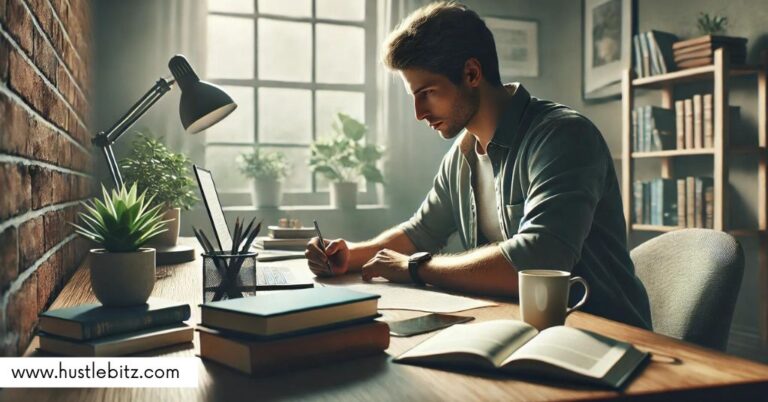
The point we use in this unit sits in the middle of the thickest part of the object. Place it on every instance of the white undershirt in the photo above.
(485, 193)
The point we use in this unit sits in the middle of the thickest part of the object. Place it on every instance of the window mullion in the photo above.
(313, 112)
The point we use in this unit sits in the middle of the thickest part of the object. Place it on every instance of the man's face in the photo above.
(444, 106)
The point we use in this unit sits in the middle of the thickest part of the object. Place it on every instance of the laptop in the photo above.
(268, 277)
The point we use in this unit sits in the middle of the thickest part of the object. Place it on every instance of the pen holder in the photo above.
(228, 276)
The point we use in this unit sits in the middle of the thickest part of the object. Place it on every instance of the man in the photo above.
(528, 183)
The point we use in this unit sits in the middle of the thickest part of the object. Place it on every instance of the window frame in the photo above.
(368, 88)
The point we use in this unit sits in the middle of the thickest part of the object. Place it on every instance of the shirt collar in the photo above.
(509, 120)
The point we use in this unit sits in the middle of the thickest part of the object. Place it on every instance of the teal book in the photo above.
(295, 311)
(91, 321)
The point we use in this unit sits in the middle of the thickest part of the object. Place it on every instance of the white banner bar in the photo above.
(98, 372)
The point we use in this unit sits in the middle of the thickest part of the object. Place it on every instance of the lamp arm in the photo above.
(106, 139)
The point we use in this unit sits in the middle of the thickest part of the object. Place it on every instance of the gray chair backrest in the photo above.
(692, 277)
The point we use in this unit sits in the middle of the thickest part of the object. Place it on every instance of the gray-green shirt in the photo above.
(558, 203)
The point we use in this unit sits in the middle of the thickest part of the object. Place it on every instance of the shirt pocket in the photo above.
(515, 214)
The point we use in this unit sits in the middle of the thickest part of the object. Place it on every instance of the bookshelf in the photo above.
(719, 75)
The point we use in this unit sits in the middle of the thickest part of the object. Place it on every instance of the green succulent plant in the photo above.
(121, 222)
(343, 157)
(264, 165)
(712, 25)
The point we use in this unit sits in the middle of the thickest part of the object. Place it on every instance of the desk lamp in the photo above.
(202, 105)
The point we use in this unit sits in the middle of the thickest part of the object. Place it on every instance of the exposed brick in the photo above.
(16, 122)
(43, 143)
(16, 184)
(65, 152)
(43, 13)
(44, 56)
(49, 279)
(42, 189)
(22, 312)
(9, 257)
(20, 25)
(53, 223)
(4, 51)
(31, 242)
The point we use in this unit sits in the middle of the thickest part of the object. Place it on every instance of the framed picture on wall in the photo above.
(608, 26)
(517, 44)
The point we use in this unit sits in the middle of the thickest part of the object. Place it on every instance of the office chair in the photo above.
(692, 277)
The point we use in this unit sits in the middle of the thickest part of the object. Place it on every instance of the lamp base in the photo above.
(167, 255)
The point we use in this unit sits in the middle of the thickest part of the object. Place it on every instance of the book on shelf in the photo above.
(655, 129)
(120, 344)
(709, 40)
(690, 202)
(661, 42)
(708, 60)
(698, 129)
(635, 131)
(682, 211)
(708, 121)
(735, 54)
(512, 346)
(688, 122)
(701, 184)
(695, 202)
(90, 321)
(679, 125)
(646, 55)
(279, 314)
(638, 56)
(709, 205)
(255, 356)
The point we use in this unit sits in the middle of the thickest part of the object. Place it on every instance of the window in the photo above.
(290, 65)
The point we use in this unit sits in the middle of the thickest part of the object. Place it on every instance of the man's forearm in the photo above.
(482, 270)
(394, 239)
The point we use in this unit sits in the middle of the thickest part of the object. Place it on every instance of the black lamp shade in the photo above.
(202, 104)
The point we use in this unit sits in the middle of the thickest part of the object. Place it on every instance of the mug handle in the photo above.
(578, 279)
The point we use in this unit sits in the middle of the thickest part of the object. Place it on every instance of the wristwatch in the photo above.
(413, 266)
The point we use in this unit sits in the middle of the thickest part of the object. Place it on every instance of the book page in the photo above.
(573, 349)
(491, 340)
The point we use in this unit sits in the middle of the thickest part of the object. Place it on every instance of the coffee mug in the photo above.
(544, 296)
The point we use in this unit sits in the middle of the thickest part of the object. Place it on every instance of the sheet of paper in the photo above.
(408, 297)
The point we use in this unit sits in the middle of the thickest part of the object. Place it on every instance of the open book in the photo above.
(516, 347)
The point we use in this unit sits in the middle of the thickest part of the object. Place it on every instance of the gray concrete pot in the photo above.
(344, 195)
(170, 237)
(267, 193)
(122, 279)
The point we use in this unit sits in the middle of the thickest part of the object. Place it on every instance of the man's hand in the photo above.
(388, 264)
(336, 254)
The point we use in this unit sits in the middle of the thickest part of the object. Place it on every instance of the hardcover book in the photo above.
(89, 321)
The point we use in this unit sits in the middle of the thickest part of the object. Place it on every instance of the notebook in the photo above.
(515, 347)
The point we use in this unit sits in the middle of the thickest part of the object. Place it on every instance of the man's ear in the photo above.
(473, 72)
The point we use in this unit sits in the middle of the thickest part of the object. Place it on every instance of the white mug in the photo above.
(544, 296)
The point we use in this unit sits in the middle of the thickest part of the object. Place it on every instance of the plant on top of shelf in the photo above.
(343, 158)
(712, 25)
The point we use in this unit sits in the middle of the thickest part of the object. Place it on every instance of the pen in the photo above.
(322, 246)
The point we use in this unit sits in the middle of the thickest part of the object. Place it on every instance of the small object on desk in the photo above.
(557, 352)
(118, 345)
(322, 247)
(277, 232)
(90, 321)
(282, 313)
(255, 356)
(425, 323)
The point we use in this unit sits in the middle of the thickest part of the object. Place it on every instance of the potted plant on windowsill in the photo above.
(122, 271)
(343, 158)
(267, 169)
(163, 175)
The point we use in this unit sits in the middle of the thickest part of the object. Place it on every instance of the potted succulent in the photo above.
(122, 271)
(163, 175)
(267, 169)
(343, 158)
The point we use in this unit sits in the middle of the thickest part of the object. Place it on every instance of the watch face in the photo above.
(421, 256)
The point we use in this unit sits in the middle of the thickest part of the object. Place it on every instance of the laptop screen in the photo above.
(212, 204)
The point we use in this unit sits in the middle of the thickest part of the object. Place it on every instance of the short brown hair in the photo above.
(440, 38)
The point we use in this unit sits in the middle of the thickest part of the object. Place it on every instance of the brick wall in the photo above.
(44, 156)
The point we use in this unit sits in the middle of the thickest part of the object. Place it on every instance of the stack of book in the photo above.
(700, 51)
(686, 202)
(653, 128)
(653, 53)
(280, 238)
(695, 122)
(92, 330)
(277, 332)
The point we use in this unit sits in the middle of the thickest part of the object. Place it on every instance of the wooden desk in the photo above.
(694, 373)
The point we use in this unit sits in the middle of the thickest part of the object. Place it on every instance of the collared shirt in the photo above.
(558, 203)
